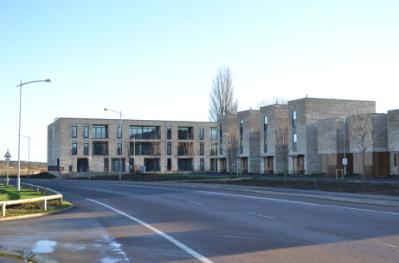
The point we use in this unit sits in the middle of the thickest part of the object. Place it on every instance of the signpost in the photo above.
(7, 156)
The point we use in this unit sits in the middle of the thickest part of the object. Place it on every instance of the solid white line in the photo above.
(159, 232)
(387, 244)
(301, 203)
(260, 215)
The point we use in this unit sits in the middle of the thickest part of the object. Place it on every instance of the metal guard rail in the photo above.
(53, 195)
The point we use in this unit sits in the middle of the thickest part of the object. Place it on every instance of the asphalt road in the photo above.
(156, 222)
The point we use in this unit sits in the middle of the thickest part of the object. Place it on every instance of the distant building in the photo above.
(393, 141)
(101, 145)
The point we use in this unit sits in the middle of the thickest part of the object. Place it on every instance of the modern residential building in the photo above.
(248, 127)
(102, 145)
(393, 140)
(273, 137)
(304, 157)
(228, 143)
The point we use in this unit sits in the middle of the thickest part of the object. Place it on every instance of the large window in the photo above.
(74, 131)
(144, 132)
(185, 133)
(185, 149)
(213, 133)
(86, 148)
(185, 164)
(118, 164)
(74, 148)
(294, 131)
(119, 132)
(214, 149)
(201, 133)
(169, 148)
(241, 136)
(100, 131)
(202, 149)
(144, 148)
(86, 131)
(265, 124)
(169, 164)
(202, 165)
(100, 148)
(169, 133)
(119, 148)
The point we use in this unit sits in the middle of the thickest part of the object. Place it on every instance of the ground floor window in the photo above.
(185, 164)
(118, 164)
(152, 164)
(169, 164)
(202, 165)
(214, 165)
(395, 159)
(106, 165)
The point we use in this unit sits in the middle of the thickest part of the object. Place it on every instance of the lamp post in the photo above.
(7, 156)
(21, 84)
(27, 137)
(120, 139)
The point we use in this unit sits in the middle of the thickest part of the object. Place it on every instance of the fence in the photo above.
(52, 195)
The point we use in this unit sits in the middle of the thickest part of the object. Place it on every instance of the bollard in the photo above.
(3, 210)
(45, 204)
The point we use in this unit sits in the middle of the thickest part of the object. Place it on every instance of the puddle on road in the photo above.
(44, 246)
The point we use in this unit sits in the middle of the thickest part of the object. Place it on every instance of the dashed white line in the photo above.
(260, 215)
(156, 230)
(301, 203)
(195, 203)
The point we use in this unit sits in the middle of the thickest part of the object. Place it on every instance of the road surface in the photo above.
(158, 222)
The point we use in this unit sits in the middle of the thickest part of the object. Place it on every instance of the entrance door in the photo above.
(244, 165)
(269, 166)
(82, 165)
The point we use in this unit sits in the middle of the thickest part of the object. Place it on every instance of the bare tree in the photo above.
(232, 151)
(222, 95)
(281, 139)
(360, 129)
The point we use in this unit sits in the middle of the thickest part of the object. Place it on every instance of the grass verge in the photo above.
(36, 208)
(11, 193)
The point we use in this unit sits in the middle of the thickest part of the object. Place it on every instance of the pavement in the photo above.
(189, 222)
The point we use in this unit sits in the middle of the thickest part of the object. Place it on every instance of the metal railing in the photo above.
(52, 195)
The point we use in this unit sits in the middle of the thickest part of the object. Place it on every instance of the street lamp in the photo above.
(27, 137)
(120, 139)
(7, 156)
(19, 126)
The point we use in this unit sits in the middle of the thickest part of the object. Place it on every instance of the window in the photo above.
(185, 164)
(202, 165)
(100, 131)
(86, 131)
(118, 164)
(169, 164)
(169, 133)
(185, 133)
(119, 148)
(100, 148)
(201, 133)
(185, 149)
(106, 165)
(241, 136)
(144, 148)
(74, 131)
(265, 124)
(74, 148)
(144, 132)
(119, 132)
(169, 148)
(213, 133)
(214, 149)
(86, 148)
(221, 139)
(395, 159)
(294, 135)
(202, 149)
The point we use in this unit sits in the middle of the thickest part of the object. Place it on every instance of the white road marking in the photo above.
(387, 244)
(156, 230)
(260, 215)
(301, 203)
(194, 203)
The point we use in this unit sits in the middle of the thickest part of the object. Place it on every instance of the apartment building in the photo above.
(105, 145)
(303, 154)
(228, 143)
(273, 120)
(393, 141)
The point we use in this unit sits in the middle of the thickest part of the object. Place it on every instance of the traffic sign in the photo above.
(7, 156)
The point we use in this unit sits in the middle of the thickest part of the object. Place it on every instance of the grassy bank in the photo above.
(11, 193)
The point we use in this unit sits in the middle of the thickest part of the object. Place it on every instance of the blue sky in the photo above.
(156, 59)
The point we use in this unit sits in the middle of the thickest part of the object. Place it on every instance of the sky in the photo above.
(156, 59)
